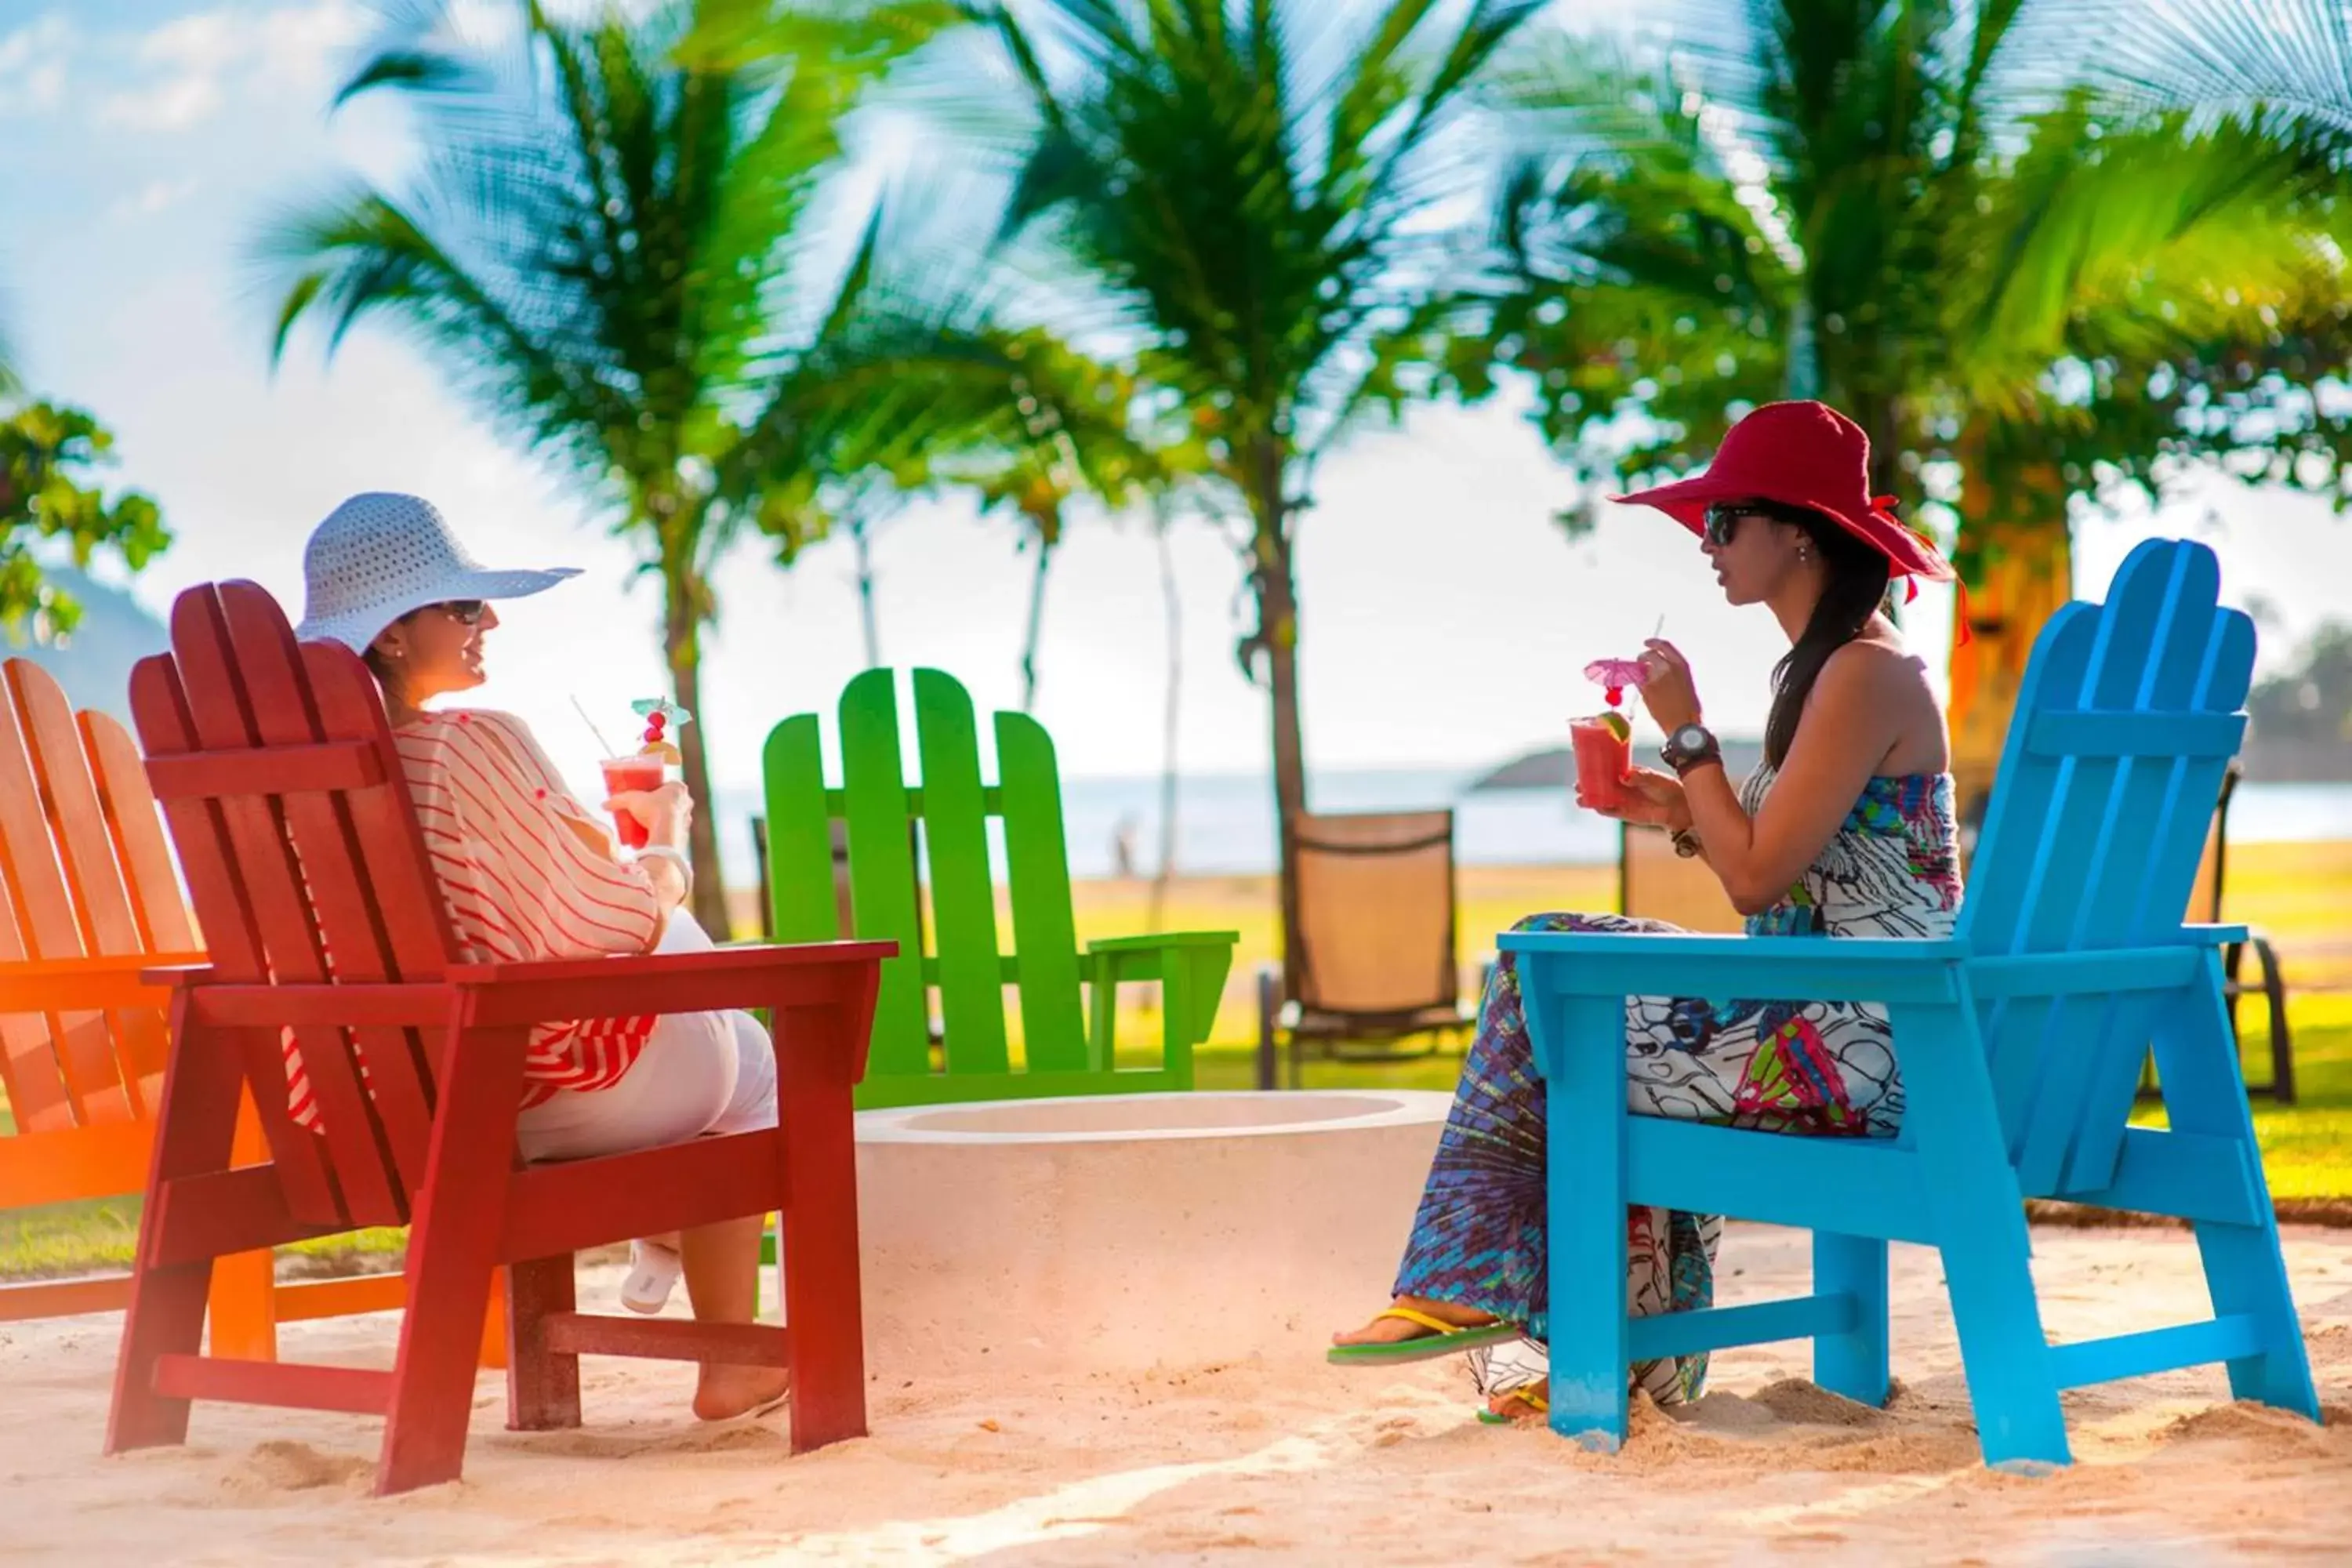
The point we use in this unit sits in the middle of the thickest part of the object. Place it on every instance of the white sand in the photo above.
(1289, 1459)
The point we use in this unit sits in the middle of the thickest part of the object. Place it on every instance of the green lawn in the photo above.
(2306, 1149)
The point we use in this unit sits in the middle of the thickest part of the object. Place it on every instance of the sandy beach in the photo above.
(1275, 1458)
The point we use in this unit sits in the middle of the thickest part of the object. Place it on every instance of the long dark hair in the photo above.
(1855, 587)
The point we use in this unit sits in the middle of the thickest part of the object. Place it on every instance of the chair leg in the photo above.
(1853, 1364)
(1584, 1193)
(2244, 1269)
(1268, 1040)
(542, 1385)
(196, 1129)
(1980, 1217)
(242, 1320)
(2274, 996)
(452, 1259)
(823, 1308)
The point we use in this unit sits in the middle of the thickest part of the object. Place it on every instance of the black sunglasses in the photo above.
(1723, 521)
(1723, 518)
(467, 612)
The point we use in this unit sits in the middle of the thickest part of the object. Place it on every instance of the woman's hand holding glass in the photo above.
(667, 812)
(1651, 799)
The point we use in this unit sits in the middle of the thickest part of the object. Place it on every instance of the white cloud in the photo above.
(33, 66)
(151, 198)
(187, 68)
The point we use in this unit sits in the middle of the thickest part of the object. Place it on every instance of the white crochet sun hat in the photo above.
(379, 555)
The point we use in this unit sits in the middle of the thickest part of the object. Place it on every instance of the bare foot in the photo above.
(722, 1393)
(1396, 1331)
(1519, 1407)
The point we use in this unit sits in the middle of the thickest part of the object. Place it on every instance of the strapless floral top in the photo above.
(1892, 869)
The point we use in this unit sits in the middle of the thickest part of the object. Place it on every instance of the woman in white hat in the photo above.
(528, 872)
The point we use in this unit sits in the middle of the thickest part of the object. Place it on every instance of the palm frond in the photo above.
(2143, 242)
(2289, 59)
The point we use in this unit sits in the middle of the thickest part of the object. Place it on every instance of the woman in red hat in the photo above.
(1845, 829)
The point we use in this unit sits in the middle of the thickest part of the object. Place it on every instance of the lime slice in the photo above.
(1617, 726)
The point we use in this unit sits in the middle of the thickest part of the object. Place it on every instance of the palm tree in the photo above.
(49, 502)
(617, 245)
(2022, 289)
(1257, 197)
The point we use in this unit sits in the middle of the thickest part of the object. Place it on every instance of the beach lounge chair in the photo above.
(1371, 962)
(285, 799)
(2205, 904)
(2021, 1040)
(88, 901)
(1655, 883)
(1066, 1048)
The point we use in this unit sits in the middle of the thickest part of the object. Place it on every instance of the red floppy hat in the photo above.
(1805, 455)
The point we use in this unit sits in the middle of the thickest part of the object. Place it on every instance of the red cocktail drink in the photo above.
(630, 774)
(1604, 756)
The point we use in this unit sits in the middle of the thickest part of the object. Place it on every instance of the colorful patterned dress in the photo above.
(1815, 1067)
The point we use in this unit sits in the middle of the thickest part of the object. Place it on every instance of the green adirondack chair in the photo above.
(1069, 1048)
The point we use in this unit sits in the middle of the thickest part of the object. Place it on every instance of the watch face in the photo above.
(1689, 738)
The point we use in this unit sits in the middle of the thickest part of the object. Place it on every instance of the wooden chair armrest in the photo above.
(1823, 969)
(83, 984)
(1162, 940)
(768, 975)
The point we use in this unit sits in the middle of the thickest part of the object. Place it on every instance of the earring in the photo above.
(1804, 552)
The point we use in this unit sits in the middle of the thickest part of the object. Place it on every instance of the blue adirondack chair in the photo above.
(2020, 1038)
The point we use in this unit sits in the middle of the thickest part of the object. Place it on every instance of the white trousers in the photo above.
(700, 1072)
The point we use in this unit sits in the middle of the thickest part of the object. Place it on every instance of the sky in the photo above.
(1445, 617)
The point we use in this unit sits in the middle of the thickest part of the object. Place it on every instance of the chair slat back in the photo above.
(963, 893)
(283, 787)
(882, 887)
(952, 805)
(1037, 877)
(66, 897)
(2127, 716)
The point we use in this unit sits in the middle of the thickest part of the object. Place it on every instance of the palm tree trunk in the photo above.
(1277, 635)
(1173, 603)
(1802, 378)
(682, 650)
(2023, 574)
(862, 542)
(1036, 624)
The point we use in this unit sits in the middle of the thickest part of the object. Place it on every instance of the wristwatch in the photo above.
(1685, 843)
(1688, 747)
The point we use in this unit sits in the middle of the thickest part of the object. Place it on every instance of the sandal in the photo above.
(1442, 1339)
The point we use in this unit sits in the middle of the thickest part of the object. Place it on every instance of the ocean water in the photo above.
(1225, 822)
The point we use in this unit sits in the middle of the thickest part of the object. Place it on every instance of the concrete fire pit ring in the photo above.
(1124, 1232)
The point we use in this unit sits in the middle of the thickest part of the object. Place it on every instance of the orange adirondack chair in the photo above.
(285, 795)
(87, 900)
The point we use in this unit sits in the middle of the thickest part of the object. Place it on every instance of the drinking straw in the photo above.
(591, 727)
(1656, 633)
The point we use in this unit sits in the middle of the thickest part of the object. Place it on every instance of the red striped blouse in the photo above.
(526, 873)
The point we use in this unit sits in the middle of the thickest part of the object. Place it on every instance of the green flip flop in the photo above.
(1530, 1395)
(1443, 1339)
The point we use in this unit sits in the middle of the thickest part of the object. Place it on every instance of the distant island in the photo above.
(2290, 761)
(93, 665)
(1554, 767)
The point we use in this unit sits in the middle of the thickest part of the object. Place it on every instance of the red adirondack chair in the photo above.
(295, 833)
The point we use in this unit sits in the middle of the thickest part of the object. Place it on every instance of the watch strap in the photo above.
(1683, 759)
